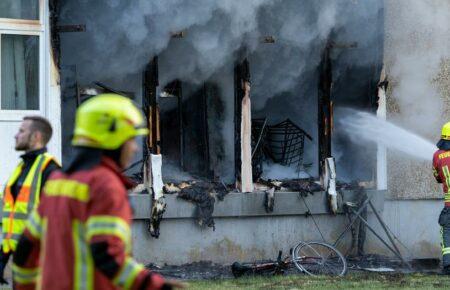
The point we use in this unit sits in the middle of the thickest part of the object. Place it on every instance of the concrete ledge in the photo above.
(251, 204)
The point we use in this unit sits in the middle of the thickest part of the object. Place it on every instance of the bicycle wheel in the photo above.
(317, 258)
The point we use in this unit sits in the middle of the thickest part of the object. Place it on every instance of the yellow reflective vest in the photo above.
(15, 212)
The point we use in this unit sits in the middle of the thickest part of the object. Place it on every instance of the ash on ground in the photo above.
(194, 271)
(368, 263)
(379, 263)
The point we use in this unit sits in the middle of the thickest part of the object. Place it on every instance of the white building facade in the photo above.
(29, 83)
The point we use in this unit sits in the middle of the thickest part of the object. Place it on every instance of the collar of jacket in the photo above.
(111, 164)
(443, 144)
(31, 155)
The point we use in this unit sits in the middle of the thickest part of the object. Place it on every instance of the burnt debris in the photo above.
(269, 200)
(303, 186)
(203, 194)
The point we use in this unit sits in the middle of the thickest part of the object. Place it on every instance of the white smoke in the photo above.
(280, 172)
(417, 44)
(122, 37)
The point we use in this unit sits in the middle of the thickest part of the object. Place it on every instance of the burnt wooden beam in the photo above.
(242, 123)
(241, 74)
(151, 109)
(108, 89)
(206, 153)
(71, 28)
(178, 34)
(268, 39)
(152, 149)
(332, 44)
(54, 9)
(324, 107)
(180, 122)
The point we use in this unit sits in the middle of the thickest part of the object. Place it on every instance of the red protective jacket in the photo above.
(79, 237)
(441, 166)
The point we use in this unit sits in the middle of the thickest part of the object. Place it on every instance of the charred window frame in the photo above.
(34, 30)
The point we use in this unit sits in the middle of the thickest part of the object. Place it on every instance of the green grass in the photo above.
(354, 281)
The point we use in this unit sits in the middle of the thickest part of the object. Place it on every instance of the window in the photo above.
(19, 9)
(22, 57)
(19, 71)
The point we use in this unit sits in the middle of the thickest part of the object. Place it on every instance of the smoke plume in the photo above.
(122, 36)
(416, 46)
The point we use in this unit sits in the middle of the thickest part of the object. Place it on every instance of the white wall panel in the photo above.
(8, 156)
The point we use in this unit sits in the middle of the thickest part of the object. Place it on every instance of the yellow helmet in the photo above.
(107, 121)
(446, 132)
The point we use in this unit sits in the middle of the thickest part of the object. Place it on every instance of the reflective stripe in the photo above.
(84, 269)
(445, 250)
(67, 188)
(17, 215)
(43, 248)
(35, 185)
(2, 193)
(49, 158)
(34, 224)
(25, 275)
(15, 175)
(9, 244)
(15, 237)
(8, 206)
(447, 182)
(109, 225)
(15, 212)
(23, 196)
(435, 172)
(128, 273)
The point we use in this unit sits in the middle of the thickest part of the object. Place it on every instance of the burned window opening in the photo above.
(196, 138)
(162, 122)
(173, 122)
(184, 128)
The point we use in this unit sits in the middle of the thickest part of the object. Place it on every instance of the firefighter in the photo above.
(22, 192)
(441, 171)
(80, 235)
